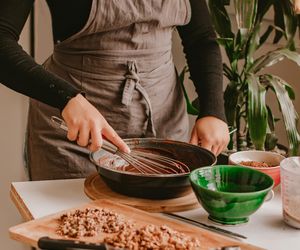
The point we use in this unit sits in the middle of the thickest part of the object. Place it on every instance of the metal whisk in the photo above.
(143, 162)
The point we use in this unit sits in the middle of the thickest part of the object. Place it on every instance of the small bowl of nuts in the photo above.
(264, 161)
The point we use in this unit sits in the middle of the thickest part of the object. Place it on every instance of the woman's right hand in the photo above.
(297, 6)
(86, 124)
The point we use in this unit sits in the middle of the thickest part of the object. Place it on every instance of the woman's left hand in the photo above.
(211, 133)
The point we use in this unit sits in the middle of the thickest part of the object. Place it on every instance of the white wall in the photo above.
(43, 32)
(13, 113)
(13, 110)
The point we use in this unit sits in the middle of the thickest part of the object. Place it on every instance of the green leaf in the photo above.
(253, 44)
(257, 112)
(228, 44)
(262, 8)
(266, 60)
(227, 72)
(286, 19)
(278, 21)
(290, 91)
(271, 121)
(220, 18)
(240, 43)
(298, 25)
(245, 12)
(290, 22)
(266, 35)
(271, 141)
(225, 42)
(190, 108)
(288, 111)
(274, 57)
(231, 97)
(291, 55)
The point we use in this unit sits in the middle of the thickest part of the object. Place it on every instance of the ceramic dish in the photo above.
(157, 186)
(230, 194)
(271, 158)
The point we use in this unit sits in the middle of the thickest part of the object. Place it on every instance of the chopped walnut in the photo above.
(90, 222)
(256, 164)
(152, 237)
(124, 234)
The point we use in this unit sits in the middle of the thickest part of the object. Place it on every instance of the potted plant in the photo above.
(245, 94)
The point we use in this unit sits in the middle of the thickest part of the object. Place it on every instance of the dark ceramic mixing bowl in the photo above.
(230, 194)
(162, 186)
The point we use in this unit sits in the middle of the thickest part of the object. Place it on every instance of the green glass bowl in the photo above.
(230, 194)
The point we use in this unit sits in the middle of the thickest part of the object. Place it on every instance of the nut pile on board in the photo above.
(152, 237)
(91, 221)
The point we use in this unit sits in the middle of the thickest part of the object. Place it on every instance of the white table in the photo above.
(265, 229)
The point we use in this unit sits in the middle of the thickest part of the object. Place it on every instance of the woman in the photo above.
(118, 53)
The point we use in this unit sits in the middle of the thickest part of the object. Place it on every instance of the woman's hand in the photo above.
(211, 133)
(86, 124)
(297, 6)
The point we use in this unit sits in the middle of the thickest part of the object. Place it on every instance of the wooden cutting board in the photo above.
(31, 231)
(95, 188)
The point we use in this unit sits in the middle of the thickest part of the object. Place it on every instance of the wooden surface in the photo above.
(17, 200)
(95, 188)
(31, 231)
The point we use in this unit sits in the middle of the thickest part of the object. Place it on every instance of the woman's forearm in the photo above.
(204, 60)
(18, 70)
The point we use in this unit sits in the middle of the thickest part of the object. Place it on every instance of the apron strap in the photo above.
(132, 82)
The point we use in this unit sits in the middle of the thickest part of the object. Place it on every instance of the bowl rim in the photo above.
(134, 141)
(234, 162)
(286, 168)
(141, 174)
(231, 193)
(260, 168)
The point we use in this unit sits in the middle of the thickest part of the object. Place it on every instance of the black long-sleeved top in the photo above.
(21, 73)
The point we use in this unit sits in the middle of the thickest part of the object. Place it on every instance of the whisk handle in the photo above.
(107, 146)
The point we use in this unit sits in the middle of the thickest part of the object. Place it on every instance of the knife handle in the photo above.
(60, 244)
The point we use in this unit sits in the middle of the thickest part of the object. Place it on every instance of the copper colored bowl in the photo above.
(158, 186)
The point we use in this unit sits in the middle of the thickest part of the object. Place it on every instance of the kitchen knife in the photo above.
(60, 244)
(205, 226)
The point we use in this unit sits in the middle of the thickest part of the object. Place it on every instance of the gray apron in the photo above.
(122, 61)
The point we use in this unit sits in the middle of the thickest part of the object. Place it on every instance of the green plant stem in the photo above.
(249, 141)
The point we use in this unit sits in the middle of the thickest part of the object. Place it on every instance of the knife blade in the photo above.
(205, 226)
(61, 244)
